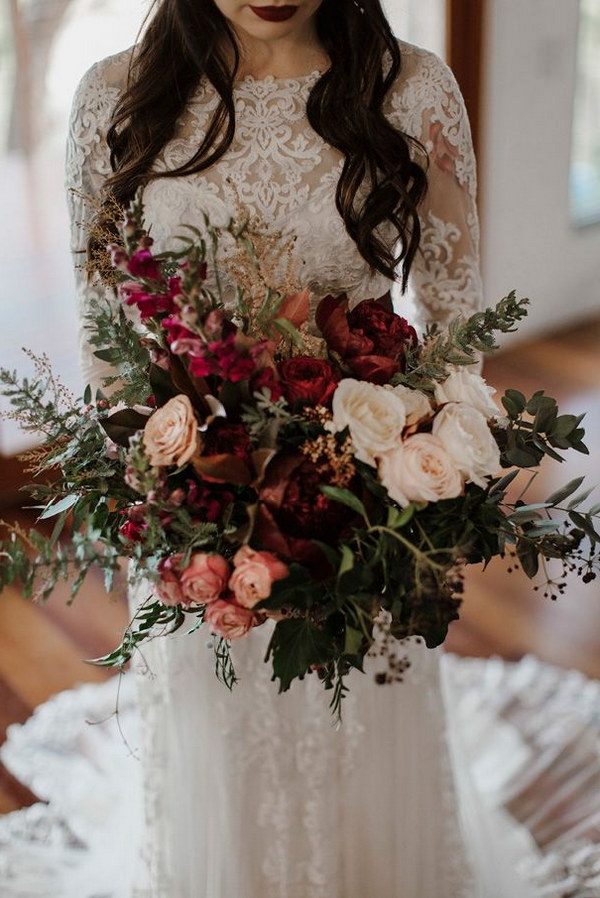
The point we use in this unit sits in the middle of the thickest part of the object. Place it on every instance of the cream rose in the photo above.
(375, 416)
(466, 437)
(171, 433)
(465, 386)
(416, 403)
(420, 470)
(254, 574)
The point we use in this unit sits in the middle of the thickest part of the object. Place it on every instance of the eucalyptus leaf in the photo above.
(565, 491)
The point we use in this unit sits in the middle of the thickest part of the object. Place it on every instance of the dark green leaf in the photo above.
(122, 425)
(528, 557)
(353, 641)
(345, 497)
(584, 523)
(565, 491)
(295, 646)
(517, 398)
(521, 458)
(502, 485)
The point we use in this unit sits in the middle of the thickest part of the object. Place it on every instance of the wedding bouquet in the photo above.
(335, 480)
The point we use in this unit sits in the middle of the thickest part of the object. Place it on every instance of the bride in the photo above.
(289, 112)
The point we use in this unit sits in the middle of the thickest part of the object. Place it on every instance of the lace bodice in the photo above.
(283, 172)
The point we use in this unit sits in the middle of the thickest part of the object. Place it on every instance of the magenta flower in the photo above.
(142, 264)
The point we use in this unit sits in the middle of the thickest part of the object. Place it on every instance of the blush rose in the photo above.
(254, 574)
(171, 433)
(205, 578)
(228, 619)
(420, 470)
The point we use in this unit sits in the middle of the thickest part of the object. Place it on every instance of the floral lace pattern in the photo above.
(216, 764)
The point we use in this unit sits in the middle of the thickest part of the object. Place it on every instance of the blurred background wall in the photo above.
(540, 158)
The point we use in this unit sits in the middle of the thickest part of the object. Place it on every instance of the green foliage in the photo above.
(150, 619)
(459, 342)
(296, 646)
(535, 429)
(116, 341)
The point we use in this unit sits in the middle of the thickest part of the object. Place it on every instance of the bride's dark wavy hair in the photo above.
(183, 42)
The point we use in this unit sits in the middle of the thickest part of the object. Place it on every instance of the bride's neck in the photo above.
(295, 55)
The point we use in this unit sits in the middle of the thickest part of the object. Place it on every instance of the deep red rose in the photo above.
(266, 377)
(132, 531)
(371, 339)
(226, 437)
(209, 503)
(292, 512)
(308, 380)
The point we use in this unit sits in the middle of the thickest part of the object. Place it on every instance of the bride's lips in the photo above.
(274, 13)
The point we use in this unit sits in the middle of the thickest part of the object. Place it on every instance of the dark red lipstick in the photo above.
(274, 13)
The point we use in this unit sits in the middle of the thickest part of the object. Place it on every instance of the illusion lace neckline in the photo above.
(268, 79)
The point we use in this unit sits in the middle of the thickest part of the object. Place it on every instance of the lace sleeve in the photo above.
(445, 278)
(86, 166)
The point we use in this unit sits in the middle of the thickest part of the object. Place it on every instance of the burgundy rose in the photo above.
(209, 503)
(266, 377)
(224, 436)
(308, 380)
(292, 512)
(371, 339)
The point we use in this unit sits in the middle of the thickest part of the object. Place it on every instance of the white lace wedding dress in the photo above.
(452, 784)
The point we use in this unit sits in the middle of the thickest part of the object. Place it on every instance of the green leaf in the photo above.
(161, 384)
(583, 522)
(398, 518)
(58, 507)
(545, 415)
(345, 497)
(122, 425)
(347, 562)
(541, 528)
(518, 398)
(535, 401)
(502, 485)
(353, 641)
(581, 497)
(565, 491)
(527, 512)
(289, 330)
(528, 557)
(521, 458)
(87, 395)
(564, 425)
(295, 646)
(511, 407)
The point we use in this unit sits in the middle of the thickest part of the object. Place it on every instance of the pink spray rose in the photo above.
(254, 574)
(205, 578)
(169, 586)
(229, 620)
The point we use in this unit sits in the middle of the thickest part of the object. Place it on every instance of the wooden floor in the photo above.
(42, 648)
